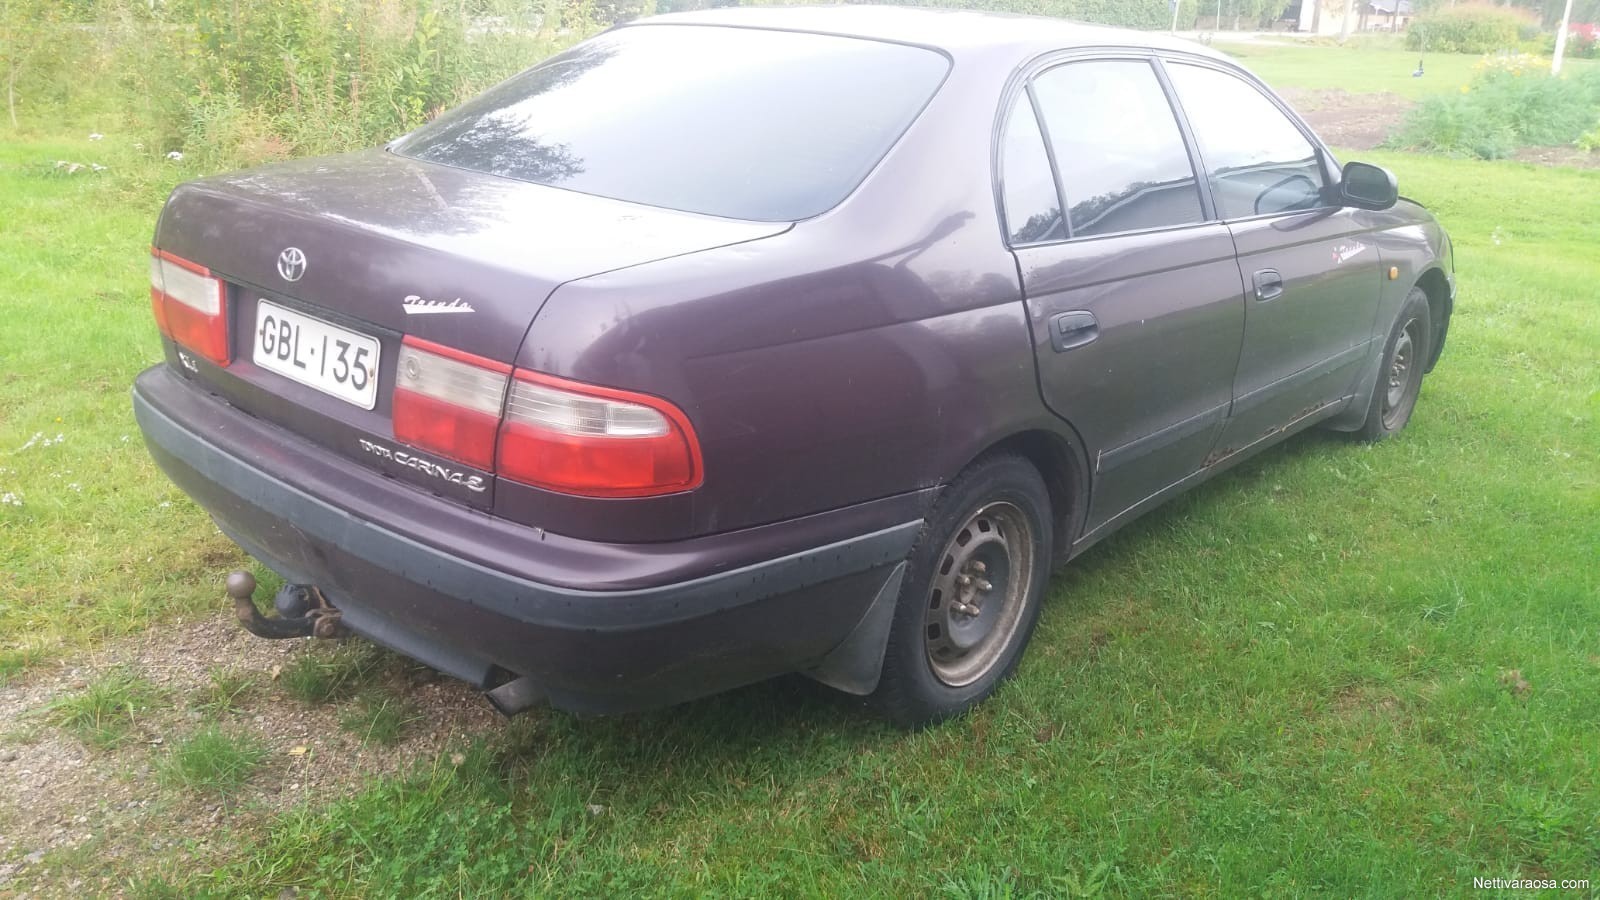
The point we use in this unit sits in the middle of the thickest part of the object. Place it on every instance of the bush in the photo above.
(1469, 29)
(1581, 44)
(230, 83)
(1513, 102)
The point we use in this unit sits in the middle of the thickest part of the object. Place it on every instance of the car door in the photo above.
(1133, 293)
(1312, 277)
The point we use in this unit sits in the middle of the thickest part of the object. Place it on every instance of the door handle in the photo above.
(1073, 329)
(1269, 285)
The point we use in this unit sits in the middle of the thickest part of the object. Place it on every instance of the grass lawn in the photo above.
(1360, 69)
(94, 542)
(1339, 669)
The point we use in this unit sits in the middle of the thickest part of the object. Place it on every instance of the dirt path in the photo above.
(1364, 121)
(1352, 121)
(57, 794)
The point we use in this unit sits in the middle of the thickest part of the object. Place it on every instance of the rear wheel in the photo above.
(1400, 378)
(972, 593)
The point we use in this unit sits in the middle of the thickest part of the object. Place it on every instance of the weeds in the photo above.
(224, 692)
(1469, 28)
(105, 714)
(379, 719)
(1513, 102)
(316, 677)
(213, 760)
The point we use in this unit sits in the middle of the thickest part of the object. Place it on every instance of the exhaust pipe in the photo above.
(303, 611)
(515, 696)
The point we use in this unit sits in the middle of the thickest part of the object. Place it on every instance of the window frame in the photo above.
(1325, 159)
(1020, 87)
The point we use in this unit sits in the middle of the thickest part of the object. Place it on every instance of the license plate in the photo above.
(317, 354)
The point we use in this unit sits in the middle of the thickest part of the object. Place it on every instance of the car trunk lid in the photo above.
(385, 246)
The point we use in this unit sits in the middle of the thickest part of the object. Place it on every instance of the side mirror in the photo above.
(1366, 186)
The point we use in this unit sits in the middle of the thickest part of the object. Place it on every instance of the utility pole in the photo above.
(1349, 13)
(1561, 40)
(1175, 4)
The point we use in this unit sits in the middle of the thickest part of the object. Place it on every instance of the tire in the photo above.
(985, 547)
(1394, 395)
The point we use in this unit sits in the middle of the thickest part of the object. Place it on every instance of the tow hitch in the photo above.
(302, 610)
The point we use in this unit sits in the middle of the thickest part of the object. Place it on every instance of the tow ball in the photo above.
(302, 610)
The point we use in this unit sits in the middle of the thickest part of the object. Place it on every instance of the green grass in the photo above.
(322, 673)
(225, 693)
(106, 713)
(1294, 680)
(1360, 69)
(379, 718)
(213, 760)
(100, 544)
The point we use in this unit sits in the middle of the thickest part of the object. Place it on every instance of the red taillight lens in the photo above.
(593, 441)
(190, 305)
(448, 402)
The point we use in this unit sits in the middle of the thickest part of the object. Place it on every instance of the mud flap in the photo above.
(857, 663)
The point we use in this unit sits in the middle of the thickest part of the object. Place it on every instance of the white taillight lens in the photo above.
(575, 414)
(448, 402)
(190, 305)
(479, 385)
(194, 288)
(594, 441)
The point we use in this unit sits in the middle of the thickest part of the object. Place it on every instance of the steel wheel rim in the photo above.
(1402, 363)
(979, 589)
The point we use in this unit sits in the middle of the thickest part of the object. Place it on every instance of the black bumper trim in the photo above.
(512, 595)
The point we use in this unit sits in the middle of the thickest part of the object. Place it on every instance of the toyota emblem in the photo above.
(292, 263)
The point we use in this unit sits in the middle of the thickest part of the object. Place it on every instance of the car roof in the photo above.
(954, 31)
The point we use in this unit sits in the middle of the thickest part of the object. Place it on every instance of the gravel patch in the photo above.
(57, 796)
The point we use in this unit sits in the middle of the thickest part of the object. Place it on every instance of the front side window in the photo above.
(1258, 161)
(735, 122)
(1122, 159)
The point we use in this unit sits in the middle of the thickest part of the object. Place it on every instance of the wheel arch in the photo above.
(1436, 285)
(1063, 464)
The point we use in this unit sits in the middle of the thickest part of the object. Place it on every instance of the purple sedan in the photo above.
(738, 343)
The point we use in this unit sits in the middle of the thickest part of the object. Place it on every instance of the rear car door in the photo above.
(1312, 276)
(1133, 293)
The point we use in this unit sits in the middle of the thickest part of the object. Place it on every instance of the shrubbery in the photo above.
(1512, 102)
(1470, 29)
(1580, 44)
(238, 82)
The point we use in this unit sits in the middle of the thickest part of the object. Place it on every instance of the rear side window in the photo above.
(733, 122)
(1033, 208)
(1123, 163)
(1258, 161)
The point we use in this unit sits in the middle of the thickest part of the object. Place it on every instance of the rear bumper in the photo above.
(466, 592)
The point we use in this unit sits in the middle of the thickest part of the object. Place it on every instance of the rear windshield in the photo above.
(735, 122)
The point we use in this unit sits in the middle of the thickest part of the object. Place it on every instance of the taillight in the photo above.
(597, 442)
(448, 402)
(190, 305)
(541, 430)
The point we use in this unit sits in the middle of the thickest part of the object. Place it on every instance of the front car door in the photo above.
(1133, 294)
(1312, 276)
